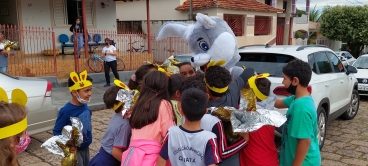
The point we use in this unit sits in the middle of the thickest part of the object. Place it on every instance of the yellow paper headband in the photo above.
(252, 84)
(80, 81)
(121, 85)
(18, 96)
(217, 90)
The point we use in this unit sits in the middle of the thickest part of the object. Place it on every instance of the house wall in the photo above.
(12, 18)
(39, 13)
(159, 10)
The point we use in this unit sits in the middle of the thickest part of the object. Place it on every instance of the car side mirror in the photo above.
(342, 58)
(351, 69)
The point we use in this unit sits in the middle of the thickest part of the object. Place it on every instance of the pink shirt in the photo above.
(158, 129)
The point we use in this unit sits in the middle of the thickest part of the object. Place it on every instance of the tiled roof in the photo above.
(249, 5)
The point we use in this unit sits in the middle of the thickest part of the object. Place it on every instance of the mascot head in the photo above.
(210, 38)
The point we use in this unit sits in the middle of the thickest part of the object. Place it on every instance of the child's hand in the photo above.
(128, 113)
(244, 135)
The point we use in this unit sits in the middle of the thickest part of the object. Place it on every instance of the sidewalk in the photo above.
(61, 95)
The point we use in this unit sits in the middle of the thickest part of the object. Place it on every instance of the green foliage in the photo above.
(346, 23)
(314, 14)
(300, 12)
(299, 34)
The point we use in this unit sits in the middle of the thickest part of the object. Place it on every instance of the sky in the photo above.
(300, 4)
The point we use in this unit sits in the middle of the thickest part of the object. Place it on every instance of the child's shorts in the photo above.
(104, 158)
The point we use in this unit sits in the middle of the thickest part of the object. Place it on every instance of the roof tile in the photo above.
(249, 5)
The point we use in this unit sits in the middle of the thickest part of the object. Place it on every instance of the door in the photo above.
(344, 89)
(329, 79)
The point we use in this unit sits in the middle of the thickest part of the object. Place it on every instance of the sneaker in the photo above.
(106, 85)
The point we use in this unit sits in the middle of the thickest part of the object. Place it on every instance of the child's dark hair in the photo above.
(219, 77)
(71, 83)
(175, 83)
(139, 75)
(194, 104)
(263, 85)
(184, 63)
(146, 109)
(198, 76)
(109, 98)
(193, 82)
(300, 69)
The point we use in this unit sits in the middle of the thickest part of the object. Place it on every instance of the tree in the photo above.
(300, 12)
(346, 23)
(314, 14)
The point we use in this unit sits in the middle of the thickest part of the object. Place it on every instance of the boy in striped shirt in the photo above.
(189, 144)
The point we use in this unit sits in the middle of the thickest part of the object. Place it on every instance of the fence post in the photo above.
(76, 61)
(130, 52)
(54, 51)
(170, 49)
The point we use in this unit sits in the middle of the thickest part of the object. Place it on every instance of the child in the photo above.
(80, 87)
(187, 69)
(175, 84)
(223, 92)
(13, 125)
(261, 149)
(117, 136)
(202, 145)
(151, 118)
(137, 77)
(299, 135)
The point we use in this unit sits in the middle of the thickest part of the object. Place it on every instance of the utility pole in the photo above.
(191, 10)
(287, 22)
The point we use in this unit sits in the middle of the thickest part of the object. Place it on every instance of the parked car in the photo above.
(345, 57)
(362, 65)
(183, 57)
(333, 86)
(41, 113)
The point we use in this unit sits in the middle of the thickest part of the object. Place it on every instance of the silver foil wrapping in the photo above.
(51, 145)
(126, 97)
(249, 121)
(243, 103)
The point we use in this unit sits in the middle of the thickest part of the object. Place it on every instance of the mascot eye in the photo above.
(203, 45)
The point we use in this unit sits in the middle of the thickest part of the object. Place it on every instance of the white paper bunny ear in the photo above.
(206, 21)
(172, 29)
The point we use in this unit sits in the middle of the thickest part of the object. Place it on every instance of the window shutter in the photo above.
(89, 12)
(59, 12)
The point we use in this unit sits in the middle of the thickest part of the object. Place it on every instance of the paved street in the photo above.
(346, 142)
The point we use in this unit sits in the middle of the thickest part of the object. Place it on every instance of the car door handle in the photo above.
(327, 84)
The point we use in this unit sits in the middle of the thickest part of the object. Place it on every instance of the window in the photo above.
(348, 55)
(262, 25)
(236, 23)
(312, 63)
(323, 63)
(336, 63)
(265, 62)
(65, 12)
(129, 27)
(268, 2)
(284, 5)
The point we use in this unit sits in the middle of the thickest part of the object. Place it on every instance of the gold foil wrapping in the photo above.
(224, 114)
(168, 67)
(8, 45)
(70, 149)
(251, 97)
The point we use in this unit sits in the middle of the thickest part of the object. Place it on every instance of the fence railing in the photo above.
(37, 54)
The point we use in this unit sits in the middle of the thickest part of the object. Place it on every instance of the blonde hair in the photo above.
(10, 114)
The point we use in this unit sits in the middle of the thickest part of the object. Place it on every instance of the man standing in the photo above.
(4, 54)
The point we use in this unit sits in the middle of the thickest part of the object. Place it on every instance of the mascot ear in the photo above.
(206, 21)
(172, 29)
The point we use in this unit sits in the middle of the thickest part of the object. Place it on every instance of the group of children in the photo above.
(171, 123)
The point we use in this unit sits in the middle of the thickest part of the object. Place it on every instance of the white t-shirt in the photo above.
(108, 57)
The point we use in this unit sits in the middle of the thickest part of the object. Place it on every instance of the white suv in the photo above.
(334, 89)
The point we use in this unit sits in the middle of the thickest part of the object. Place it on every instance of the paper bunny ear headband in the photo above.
(121, 85)
(18, 96)
(252, 84)
(80, 81)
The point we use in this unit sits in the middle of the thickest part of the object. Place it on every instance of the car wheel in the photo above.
(321, 135)
(353, 108)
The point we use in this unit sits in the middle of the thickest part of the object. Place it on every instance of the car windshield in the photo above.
(361, 63)
(265, 62)
(337, 52)
(183, 58)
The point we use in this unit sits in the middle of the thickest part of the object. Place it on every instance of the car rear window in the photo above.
(265, 62)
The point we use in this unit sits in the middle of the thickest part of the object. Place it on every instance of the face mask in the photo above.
(77, 22)
(291, 89)
(82, 100)
(23, 143)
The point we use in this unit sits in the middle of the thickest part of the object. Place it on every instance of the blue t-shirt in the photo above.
(301, 124)
(83, 113)
(117, 134)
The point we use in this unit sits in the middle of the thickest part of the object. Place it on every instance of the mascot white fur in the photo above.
(210, 38)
